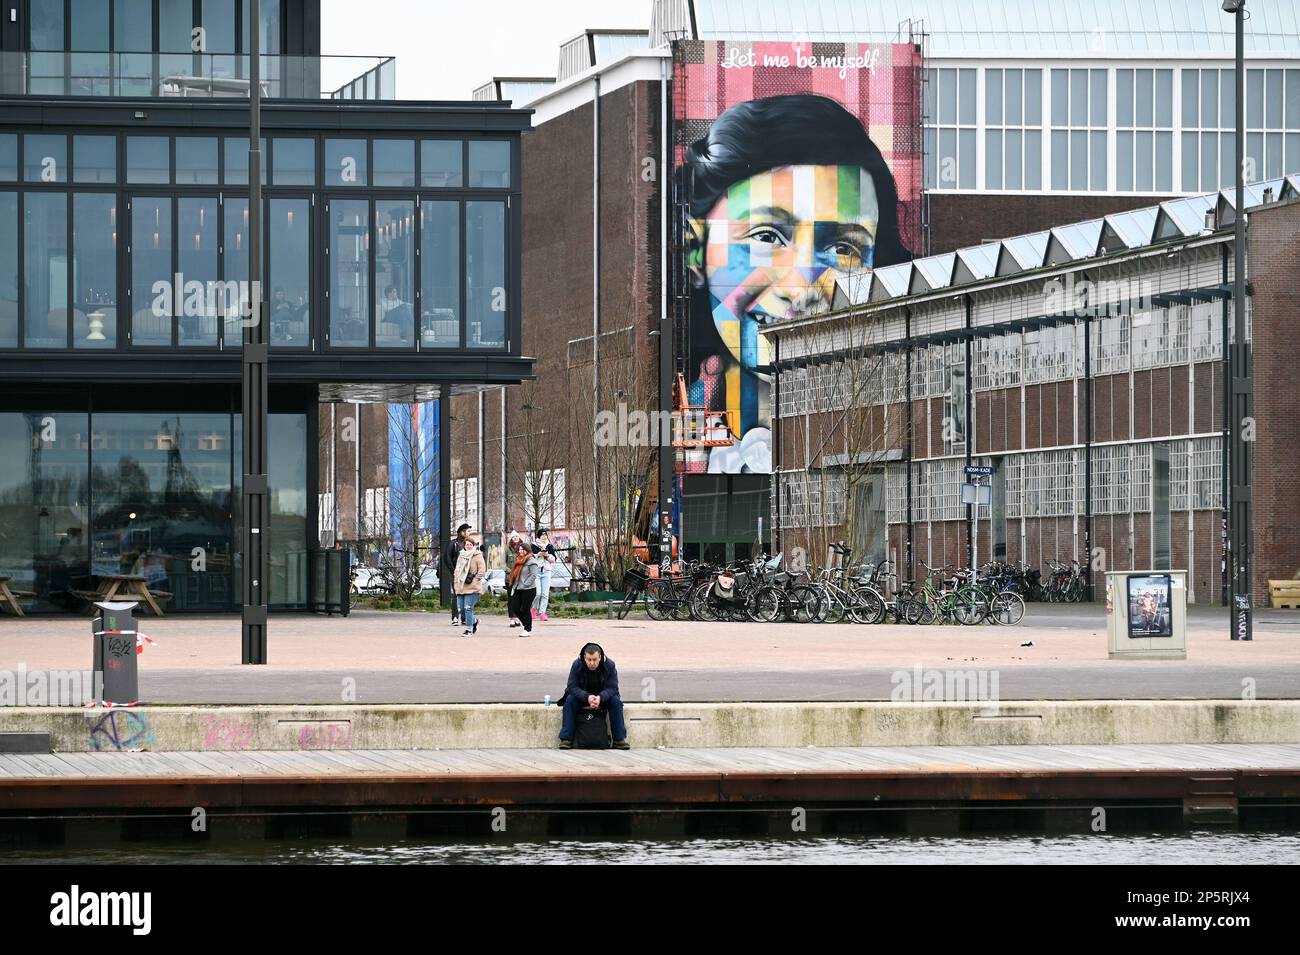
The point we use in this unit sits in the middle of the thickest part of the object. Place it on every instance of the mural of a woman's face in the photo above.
(773, 245)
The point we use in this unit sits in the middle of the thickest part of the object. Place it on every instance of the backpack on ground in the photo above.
(592, 730)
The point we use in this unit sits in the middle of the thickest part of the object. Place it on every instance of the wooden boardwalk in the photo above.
(360, 778)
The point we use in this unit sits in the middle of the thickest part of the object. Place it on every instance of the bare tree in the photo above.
(412, 496)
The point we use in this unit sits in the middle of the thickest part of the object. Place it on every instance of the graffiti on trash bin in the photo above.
(120, 729)
(226, 733)
(325, 736)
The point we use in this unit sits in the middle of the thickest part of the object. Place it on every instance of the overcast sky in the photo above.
(446, 48)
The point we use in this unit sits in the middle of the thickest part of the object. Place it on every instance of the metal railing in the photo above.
(194, 75)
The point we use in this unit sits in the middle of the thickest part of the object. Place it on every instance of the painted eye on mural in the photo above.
(767, 235)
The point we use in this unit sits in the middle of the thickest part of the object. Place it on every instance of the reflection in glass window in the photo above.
(45, 248)
(394, 273)
(8, 269)
(196, 160)
(47, 25)
(235, 267)
(196, 247)
(236, 158)
(289, 251)
(148, 159)
(8, 157)
(94, 159)
(218, 23)
(287, 477)
(45, 158)
(151, 263)
(489, 162)
(485, 274)
(440, 162)
(94, 273)
(294, 162)
(345, 162)
(349, 257)
(439, 274)
(394, 162)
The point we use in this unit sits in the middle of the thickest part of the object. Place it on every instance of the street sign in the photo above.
(976, 494)
(981, 470)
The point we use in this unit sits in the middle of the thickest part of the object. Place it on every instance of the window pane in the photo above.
(196, 231)
(394, 273)
(148, 159)
(95, 158)
(1060, 96)
(236, 160)
(45, 158)
(1209, 162)
(133, 25)
(47, 26)
(1254, 159)
(349, 257)
(1033, 97)
(1209, 99)
(965, 109)
(289, 247)
(1227, 160)
(9, 267)
(1124, 160)
(1191, 178)
(1144, 161)
(295, 162)
(219, 24)
(345, 162)
(1078, 160)
(1191, 89)
(1078, 97)
(8, 157)
(993, 159)
(489, 162)
(927, 136)
(94, 273)
(1254, 98)
(1097, 164)
(1145, 97)
(196, 160)
(947, 159)
(89, 24)
(1060, 159)
(1164, 162)
(1033, 159)
(151, 261)
(234, 268)
(440, 162)
(1014, 98)
(1098, 97)
(1273, 156)
(1012, 176)
(1164, 98)
(1273, 99)
(1292, 152)
(947, 96)
(175, 20)
(485, 273)
(1293, 99)
(993, 97)
(45, 246)
(394, 161)
(928, 116)
(1123, 98)
(440, 273)
(1227, 99)
(966, 150)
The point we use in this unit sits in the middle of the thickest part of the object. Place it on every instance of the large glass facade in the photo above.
(198, 269)
(8, 269)
(94, 270)
(349, 251)
(151, 271)
(45, 251)
(485, 273)
(289, 250)
(150, 493)
(394, 273)
(440, 273)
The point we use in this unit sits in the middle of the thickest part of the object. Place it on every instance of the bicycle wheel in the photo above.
(921, 609)
(629, 600)
(968, 606)
(702, 607)
(657, 605)
(868, 606)
(1007, 609)
(833, 608)
(765, 605)
(802, 604)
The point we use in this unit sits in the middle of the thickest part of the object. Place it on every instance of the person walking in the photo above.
(450, 558)
(523, 585)
(545, 551)
(512, 541)
(471, 568)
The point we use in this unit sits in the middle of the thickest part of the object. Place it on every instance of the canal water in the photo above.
(1184, 848)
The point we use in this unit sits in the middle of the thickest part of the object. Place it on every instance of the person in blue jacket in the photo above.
(593, 682)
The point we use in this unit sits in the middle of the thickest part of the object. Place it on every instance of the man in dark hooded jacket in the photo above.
(593, 682)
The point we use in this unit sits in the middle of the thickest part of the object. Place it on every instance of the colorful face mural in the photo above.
(786, 193)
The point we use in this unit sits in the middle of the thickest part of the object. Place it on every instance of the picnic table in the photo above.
(9, 597)
(124, 587)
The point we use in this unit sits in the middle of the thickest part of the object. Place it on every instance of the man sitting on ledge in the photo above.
(593, 683)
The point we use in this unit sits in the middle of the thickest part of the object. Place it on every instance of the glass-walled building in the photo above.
(390, 273)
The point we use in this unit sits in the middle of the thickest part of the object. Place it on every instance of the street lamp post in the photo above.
(256, 516)
(1239, 358)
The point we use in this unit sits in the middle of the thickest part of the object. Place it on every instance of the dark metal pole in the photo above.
(256, 505)
(1087, 458)
(1242, 385)
(444, 487)
(966, 440)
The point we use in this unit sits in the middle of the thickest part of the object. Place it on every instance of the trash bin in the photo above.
(116, 669)
(1146, 614)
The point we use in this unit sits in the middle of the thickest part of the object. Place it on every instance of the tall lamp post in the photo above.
(256, 506)
(1239, 358)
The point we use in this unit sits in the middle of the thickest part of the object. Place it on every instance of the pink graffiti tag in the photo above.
(332, 736)
(226, 733)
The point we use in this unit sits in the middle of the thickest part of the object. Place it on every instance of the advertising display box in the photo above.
(1146, 614)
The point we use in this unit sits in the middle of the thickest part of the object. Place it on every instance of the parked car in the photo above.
(496, 582)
